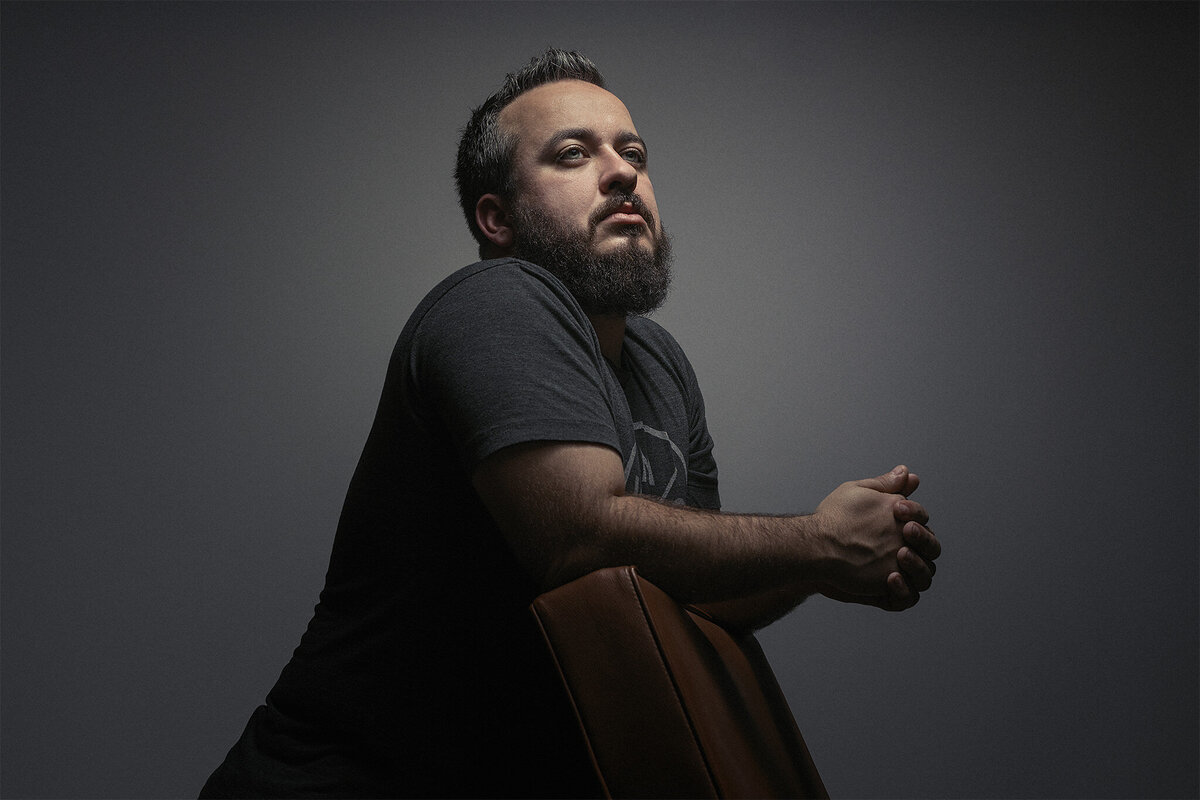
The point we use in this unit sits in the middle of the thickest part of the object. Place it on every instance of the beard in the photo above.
(629, 279)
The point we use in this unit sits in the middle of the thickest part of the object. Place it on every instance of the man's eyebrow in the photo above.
(624, 137)
(629, 137)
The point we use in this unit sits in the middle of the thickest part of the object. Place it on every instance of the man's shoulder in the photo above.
(484, 299)
(495, 271)
(497, 281)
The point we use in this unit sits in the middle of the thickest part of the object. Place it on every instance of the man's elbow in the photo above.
(581, 556)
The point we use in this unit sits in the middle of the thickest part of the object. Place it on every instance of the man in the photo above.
(534, 428)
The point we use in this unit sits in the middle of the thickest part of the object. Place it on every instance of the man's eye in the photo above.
(572, 153)
(634, 156)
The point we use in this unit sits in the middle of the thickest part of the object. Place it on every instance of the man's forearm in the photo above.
(700, 556)
(748, 614)
(563, 510)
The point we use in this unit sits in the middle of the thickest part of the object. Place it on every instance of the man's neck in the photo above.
(611, 331)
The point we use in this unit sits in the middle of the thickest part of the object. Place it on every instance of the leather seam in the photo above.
(631, 574)
(587, 739)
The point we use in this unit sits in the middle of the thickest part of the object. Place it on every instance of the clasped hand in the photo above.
(882, 553)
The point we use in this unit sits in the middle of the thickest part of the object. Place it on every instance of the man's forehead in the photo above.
(570, 104)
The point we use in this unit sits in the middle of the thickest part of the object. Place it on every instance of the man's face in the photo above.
(584, 207)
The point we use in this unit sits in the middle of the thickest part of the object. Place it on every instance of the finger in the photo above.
(900, 596)
(916, 570)
(910, 485)
(921, 539)
(892, 482)
(910, 510)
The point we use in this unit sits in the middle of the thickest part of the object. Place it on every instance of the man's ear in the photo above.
(491, 215)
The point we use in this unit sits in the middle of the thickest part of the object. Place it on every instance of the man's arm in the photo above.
(563, 509)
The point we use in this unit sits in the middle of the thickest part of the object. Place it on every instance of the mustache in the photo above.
(614, 203)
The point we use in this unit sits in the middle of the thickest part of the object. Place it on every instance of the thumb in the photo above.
(892, 482)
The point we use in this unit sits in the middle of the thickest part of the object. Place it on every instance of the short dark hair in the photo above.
(485, 151)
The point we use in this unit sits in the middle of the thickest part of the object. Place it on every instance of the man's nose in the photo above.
(618, 174)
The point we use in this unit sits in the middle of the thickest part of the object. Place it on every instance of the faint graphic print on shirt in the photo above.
(657, 466)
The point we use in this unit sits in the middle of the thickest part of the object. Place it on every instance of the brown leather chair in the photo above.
(671, 704)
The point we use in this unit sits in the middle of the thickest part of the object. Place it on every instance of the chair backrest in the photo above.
(671, 704)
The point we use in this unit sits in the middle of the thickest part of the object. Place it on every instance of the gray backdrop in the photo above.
(959, 236)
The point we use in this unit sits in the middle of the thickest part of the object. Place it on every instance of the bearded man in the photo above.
(534, 427)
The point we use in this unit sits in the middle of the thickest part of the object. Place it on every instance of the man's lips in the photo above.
(626, 215)
(624, 212)
(625, 218)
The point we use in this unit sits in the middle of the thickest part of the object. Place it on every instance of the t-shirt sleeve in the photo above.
(506, 356)
(702, 491)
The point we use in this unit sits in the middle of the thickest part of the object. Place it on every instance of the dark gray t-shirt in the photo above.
(420, 673)
(500, 353)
